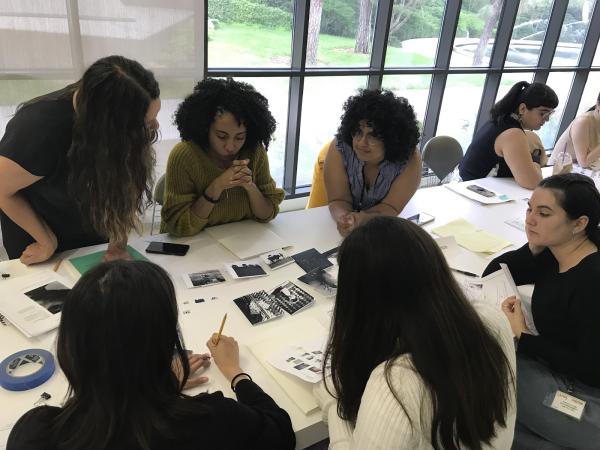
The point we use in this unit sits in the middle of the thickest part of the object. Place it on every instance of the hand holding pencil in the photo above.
(225, 352)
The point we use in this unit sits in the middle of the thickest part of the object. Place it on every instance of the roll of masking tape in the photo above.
(26, 369)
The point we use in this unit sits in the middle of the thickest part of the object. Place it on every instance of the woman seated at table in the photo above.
(561, 258)
(219, 172)
(126, 374)
(500, 147)
(581, 139)
(372, 166)
(412, 361)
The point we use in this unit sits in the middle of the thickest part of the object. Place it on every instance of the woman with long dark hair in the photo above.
(561, 258)
(581, 139)
(219, 172)
(413, 364)
(500, 147)
(117, 340)
(76, 164)
(372, 166)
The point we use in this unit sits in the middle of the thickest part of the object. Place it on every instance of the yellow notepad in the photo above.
(470, 237)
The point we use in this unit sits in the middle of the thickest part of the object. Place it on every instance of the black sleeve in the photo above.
(34, 137)
(32, 430)
(259, 422)
(582, 361)
(523, 265)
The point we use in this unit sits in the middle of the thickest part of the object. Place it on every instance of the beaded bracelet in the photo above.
(236, 377)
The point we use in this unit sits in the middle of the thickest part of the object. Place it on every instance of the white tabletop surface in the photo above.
(304, 229)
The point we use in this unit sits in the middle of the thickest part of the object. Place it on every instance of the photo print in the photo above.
(276, 259)
(291, 298)
(245, 269)
(311, 259)
(51, 296)
(323, 281)
(302, 359)
(204, 278)
(258, 307)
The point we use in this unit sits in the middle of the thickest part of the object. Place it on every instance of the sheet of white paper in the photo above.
(246, 239)
(461, 188)
(303, 359)
(28, 301)
(517, 222)
(461, 259)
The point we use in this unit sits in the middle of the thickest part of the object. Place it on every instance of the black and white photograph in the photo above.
(323, 281)
(258, 307)
(245, 269)
(276, 259)
(332, 253)
(51, 296)
(291, 298)
(204, 278)
(311, 259)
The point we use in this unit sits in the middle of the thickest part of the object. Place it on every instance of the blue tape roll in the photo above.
(38, 356)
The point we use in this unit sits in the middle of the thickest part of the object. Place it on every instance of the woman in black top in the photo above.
(501, 145)
(562, 259)
(76, 164)
(120, 349)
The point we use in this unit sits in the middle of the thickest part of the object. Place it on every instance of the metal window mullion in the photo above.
(438, 81)
(506, 23)
(200, 39)
(296, 90)
(551, 37)
(586, 58)
(380, 38)
(75, 37)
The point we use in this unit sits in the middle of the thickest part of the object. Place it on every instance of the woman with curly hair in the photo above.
(219, 172)
(501, 146)
(76, 164)
(372, 166)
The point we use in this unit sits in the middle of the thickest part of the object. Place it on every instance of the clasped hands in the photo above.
(238, 174)
(348, 222)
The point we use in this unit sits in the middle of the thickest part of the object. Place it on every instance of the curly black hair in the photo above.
(211, 96)
(392, 118)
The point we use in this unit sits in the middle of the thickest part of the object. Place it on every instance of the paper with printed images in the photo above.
(303, 359)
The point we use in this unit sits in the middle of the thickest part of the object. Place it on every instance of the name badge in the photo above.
(567, 404)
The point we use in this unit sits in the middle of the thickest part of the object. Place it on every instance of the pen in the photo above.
(464, 272)
(221, 329)
(57, 265)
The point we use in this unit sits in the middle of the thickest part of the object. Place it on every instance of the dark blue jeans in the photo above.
(540, 427)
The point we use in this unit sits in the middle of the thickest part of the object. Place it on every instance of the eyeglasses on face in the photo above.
(372, 141)
(545, 113)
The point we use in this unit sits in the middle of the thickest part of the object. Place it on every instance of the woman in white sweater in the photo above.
(413, 364)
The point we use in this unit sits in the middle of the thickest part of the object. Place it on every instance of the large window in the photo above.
(451, 59)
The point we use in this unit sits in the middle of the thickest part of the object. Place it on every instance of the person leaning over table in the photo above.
(561, 258)
(126, 377)
(76, 164)
(412, 361)
(219, 172)
(500, 147)
(581, 139)
(372, 166)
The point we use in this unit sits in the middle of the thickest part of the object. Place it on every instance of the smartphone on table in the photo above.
(481, 190)
(167, 248)
(421, 218)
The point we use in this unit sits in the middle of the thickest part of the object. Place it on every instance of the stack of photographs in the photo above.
(260, 306)
(291, 297)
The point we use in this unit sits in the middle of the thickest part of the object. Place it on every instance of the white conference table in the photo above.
(303, 229)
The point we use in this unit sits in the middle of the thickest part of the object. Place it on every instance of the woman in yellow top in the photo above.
(219, 172)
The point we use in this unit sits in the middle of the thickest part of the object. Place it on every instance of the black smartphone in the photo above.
(167, 248)
(481, 190)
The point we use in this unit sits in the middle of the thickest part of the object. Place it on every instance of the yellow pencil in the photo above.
(221, 329)
(57, 265)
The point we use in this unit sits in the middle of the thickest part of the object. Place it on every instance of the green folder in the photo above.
(86, 262)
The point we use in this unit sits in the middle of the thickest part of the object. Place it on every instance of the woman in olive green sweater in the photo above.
(219, 173)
